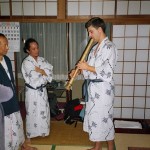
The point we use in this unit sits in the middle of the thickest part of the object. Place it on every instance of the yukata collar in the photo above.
(33, 58)
(104, 40)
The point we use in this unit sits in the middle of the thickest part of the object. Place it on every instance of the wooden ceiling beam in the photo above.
(114, 20)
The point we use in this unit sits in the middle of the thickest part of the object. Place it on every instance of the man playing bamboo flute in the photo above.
(99, 86)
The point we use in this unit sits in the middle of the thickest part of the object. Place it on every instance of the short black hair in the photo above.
(27, 44)
(2, 35)
(96, 22)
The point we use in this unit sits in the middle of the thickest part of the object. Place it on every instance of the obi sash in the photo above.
(85, 87)
(37, 88)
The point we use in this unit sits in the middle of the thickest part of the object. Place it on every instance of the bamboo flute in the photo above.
(85, 53)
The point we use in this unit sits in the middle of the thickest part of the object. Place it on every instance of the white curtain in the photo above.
(78, 39)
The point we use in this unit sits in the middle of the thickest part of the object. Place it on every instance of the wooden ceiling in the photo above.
(62, 17)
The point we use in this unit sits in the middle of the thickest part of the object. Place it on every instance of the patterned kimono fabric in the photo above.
(98, 120)
(5, 94)
(14, 135)
(36, 98)
(2, 135)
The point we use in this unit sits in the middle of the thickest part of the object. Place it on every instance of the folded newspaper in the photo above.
(127, 124)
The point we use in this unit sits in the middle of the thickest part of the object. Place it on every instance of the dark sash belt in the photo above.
(37, 88)
(85, 87)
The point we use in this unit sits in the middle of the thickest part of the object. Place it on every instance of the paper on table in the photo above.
(127, 124)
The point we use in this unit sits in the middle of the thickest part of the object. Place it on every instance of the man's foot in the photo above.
(95, 148)
(92, 149)
(25, 146)
(29, 148)
(28, 141)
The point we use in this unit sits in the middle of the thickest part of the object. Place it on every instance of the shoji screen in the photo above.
(28, 7)
(132, 75)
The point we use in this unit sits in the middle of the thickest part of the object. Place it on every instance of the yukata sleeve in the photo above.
(48, 68)
(30, 76)
(104, 64)
(6, 93)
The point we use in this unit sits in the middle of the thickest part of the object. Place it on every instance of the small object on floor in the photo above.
(127, 124)
(72, 111)
(60, 117)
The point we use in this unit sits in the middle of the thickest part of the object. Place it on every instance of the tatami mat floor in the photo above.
(67, 137)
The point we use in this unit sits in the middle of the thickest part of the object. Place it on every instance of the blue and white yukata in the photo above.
(36, 98)
(98, 119)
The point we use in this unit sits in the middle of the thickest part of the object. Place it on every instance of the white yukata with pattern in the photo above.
(14, 132)
(36, 101)
(98, 119)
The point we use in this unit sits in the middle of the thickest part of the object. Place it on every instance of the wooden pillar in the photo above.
(61, 9)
